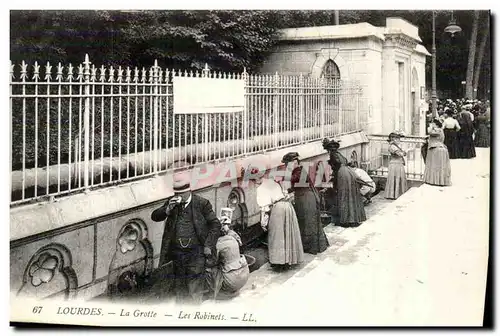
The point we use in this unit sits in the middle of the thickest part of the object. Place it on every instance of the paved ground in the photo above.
(420, 260)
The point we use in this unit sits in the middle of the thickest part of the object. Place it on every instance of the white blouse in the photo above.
(268, 193)
(451, 123)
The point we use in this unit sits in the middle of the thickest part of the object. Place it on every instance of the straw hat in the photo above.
(181, 182)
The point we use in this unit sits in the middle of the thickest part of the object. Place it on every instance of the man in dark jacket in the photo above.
(189, 237)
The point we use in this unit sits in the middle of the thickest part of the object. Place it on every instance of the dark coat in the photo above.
(206, 224)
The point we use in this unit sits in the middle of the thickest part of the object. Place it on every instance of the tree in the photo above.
(472, 55)
(480, 54)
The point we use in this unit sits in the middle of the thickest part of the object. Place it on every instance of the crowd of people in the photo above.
(207, 262)
(461, 126)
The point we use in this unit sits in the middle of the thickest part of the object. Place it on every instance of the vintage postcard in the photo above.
(352, 163)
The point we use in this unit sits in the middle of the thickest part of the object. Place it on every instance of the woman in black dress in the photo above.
(307, 207)
(350, 208)
(450, 129)
(465, 140)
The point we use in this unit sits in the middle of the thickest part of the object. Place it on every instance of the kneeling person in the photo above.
(368, 187)
(228, 270)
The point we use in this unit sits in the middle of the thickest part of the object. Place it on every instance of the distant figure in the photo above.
(396, 178)
(367, 186)
(351, 212)
(307, 207)
(190, 233)
(450, 129)
(437, 164)
(483, 130)
(466, 148)
(279, 218)
(227, 271)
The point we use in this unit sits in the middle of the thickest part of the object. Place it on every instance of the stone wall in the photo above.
(78, 246)
(368, 55)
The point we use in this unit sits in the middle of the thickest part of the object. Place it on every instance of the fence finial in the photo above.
(129, 75)
(136, 75)
(36, 73)
(48, 72)
(102, 76)
(24, 70)
(111, 74)
(86, 67)
(120, 74)
(59, 75)
(93, 73)
(206, 70)
(70, 71)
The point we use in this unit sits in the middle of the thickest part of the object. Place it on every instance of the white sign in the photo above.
(208, 95)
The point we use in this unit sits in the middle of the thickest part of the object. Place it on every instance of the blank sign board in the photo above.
(208, 95)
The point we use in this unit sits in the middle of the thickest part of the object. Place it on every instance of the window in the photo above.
(331, 71)
(331, 75)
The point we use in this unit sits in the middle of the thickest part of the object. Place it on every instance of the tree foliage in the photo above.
(224, 39)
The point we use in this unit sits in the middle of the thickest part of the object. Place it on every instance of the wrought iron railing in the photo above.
(377, 156)
(89, 126)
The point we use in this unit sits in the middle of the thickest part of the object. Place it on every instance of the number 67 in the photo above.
(37, 309)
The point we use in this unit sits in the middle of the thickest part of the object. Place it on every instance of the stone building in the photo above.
(387, 62)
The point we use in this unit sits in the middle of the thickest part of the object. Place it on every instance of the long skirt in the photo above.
(437, 167)
(451, 142)
(466, 145)
(351, 211)
(284, 242)
(226, 282)
(308, 215)
(482, 136)
(396, 184)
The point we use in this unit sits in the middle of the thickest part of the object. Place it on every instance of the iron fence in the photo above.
(90, 126)
(378, 156)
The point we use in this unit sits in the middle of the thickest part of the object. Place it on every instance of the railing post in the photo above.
(155, 117)
(322, 106)
(301, 108)
(357, 128)
(205, 74)
(341, 117)
(244, 76)
(86, 122)
(275, 109)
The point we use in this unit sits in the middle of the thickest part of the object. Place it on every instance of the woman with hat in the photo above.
(396, 177)
(437, 164)
(483, 128)
(307, 206)
(450, 129)
(279, 219)
(349, 202)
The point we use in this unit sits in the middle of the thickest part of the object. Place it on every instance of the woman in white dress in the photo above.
(279, 219)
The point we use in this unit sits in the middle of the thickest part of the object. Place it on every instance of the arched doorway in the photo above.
(415, 103)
